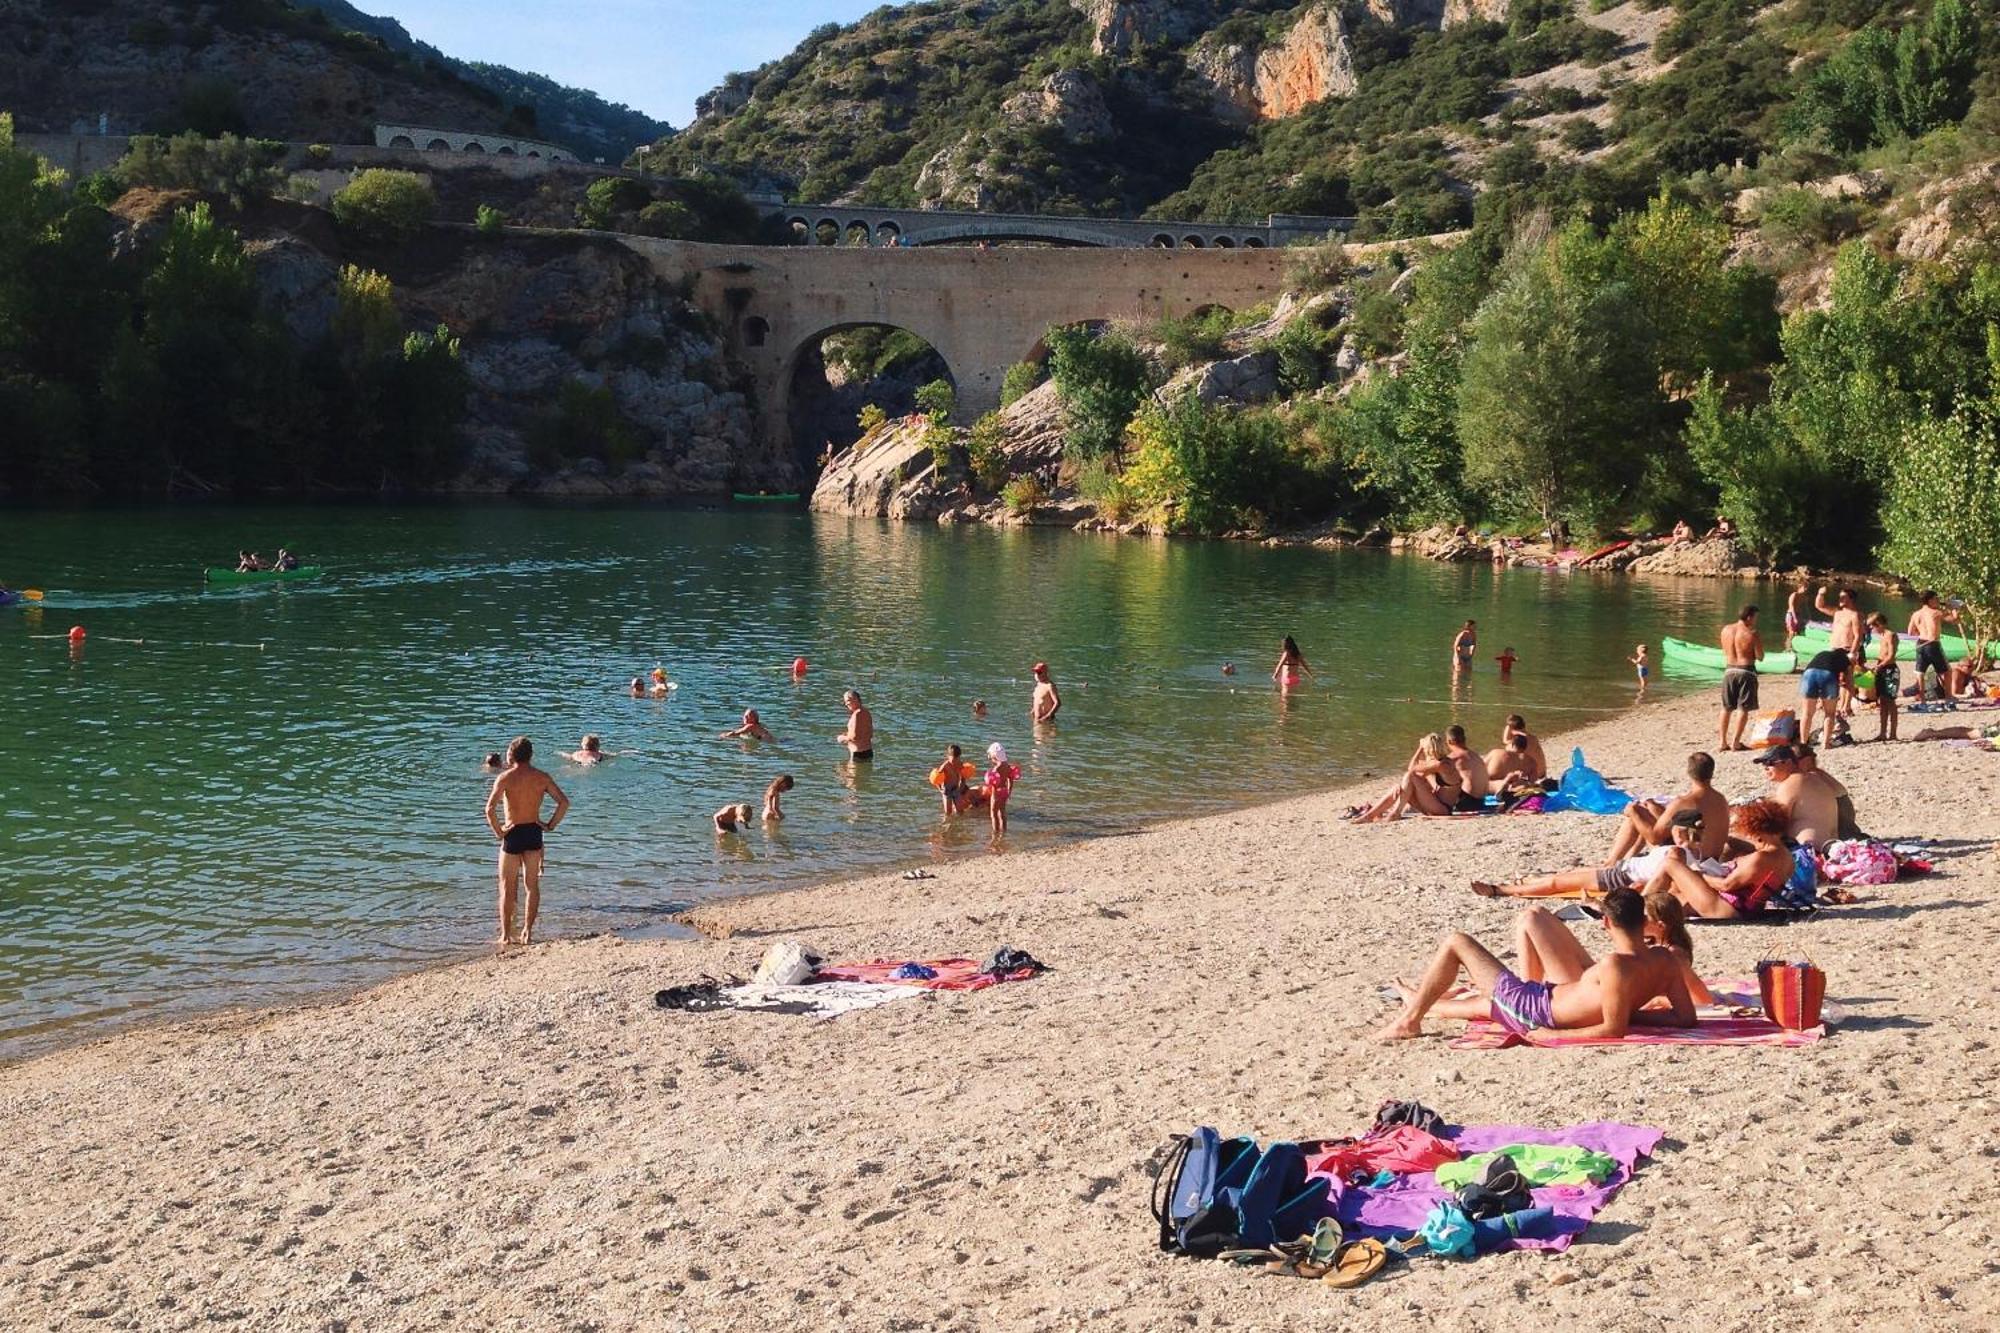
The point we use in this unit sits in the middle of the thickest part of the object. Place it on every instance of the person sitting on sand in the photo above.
(1430, 785)
(732, 818)
(1647, 823)
(1046, 702)
(1292, 668)
(1752, 877)
(779, 785)
(1685, 831)
(1509, 766)
(1845, 824)
(1607, 999)
(1517, 726)
(1811, 806)
(1475, 781)
(1550, 951)
(590, 750)
(751, 730)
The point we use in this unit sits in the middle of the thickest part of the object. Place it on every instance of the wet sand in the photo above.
(528, 1143)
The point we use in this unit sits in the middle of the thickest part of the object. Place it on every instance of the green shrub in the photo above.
(1301, 350)
(607, 198)
(872, 419)
(1102, 378)
(242, 169)
(1104, 486)
(319, 153)
(101, 188)
(937, 400)
(385, 205)
(1024, 494)
(584, 423)
(1021, 379)
(986, 452)
(489, 220)
(1194, 339)
(1799, 220)
(669, 219)
(938, 438)
(1317, 267)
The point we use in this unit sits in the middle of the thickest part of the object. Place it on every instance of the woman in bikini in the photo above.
(1430, 786)
(1753, 877)
(1291, 670)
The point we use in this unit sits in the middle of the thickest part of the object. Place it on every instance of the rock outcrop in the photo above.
(888, 473)
(1068, 99)
(1714, 558)
(1120, 26)
(1312, 62)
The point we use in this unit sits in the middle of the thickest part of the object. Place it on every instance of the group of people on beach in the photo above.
(1446, 776)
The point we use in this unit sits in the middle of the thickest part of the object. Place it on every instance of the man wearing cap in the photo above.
(1809, 803)
(1047, 703)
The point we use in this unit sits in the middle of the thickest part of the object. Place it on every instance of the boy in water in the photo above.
(1607, 1001)
(952, 785)
(1046, 702)
(1506, 661)
(779, 785)
(732, 818)
(1641, 665)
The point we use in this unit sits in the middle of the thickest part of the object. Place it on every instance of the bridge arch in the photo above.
(798, 402)
(437, 146)
(402, 141)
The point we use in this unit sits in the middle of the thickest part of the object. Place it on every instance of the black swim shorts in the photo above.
(1739, 690)
(521, 838)
(1930, 657)
(862, 754)
(1468, 804)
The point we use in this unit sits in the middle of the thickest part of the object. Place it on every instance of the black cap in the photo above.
(1778, 754)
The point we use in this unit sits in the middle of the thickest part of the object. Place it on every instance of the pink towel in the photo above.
(1714, 1025)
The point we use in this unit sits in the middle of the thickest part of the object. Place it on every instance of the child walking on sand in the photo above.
(1000, 780)
(1639, 662)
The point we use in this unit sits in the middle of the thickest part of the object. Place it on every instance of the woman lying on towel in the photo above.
(1632, 872)
(1753, 877)
(1431, 785)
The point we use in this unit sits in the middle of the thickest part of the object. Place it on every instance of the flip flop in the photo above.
(1318, 1259)
(1356, 1262)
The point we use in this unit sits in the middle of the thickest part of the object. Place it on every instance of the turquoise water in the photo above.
(277, 791)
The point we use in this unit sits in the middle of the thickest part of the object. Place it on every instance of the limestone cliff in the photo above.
(1312, 62)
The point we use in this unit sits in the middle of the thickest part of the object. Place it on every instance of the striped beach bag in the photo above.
(1793, 992)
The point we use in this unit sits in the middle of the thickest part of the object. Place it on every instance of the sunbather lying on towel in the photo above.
(1753, 877)
(1606, 1000)
(1550, 951)
(1686, 832)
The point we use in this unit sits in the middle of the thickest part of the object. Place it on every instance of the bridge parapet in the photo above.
(857, 227)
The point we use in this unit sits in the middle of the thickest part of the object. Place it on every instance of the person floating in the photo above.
(590, 750)
(1292, 668)
(1606, 1000)
(979, 708)
(519, 792)
(1741, 647)
(752, 729)
(859, 737)
(1046, 702)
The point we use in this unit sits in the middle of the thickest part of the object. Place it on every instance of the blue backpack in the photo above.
(1213, 1194)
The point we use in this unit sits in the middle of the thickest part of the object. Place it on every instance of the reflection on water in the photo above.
(252, 793)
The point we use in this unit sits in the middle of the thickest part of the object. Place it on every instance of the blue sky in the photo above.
(656, 55)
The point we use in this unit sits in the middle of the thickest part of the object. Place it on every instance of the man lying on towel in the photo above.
(1609, 999)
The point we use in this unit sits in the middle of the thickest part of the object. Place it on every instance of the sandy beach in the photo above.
(528, 1143)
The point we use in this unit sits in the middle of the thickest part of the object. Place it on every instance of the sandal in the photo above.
(1356, 1262)
(1318, 1259)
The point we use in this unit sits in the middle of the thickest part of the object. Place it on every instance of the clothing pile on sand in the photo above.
(794, 979)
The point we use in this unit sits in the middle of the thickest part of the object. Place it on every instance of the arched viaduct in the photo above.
(859, 226)
(982, 310)
(466, 141)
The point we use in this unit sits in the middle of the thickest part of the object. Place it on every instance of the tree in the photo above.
(1767, 487)
(385, 205)
(937, 400)
(1102, 379)
(242, 169)
(669, 219)
(1559, 384)
(609, 196)
(1943, 514)
(1705, 313)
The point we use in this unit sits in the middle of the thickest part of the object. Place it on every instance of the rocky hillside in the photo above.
(270, 69)
(1401, 111)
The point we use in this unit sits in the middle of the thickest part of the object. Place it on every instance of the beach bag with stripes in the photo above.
(1793, 993)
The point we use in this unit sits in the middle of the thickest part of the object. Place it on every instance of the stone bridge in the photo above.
(856, 227)
(981, 310)
(467, 141)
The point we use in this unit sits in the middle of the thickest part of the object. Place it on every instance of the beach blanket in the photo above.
(949, 973)
(1719, 1024)
(817, 999)
(1399, 1204)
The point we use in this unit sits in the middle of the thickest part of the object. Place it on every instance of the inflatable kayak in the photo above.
(1699, 655)
(261, 575)
(744, 497)
(1956, 648)
(1603, 551)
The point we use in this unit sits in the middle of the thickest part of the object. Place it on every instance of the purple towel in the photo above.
(1400, 1208)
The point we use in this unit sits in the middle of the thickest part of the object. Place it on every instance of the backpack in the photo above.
(1213, 1194)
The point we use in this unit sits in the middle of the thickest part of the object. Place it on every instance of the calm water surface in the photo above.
(278, 791)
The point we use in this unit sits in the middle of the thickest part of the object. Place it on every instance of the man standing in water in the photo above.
(1741, 647)
(1046, 703)
(519, 792)
(859, 738)
(1463, 647)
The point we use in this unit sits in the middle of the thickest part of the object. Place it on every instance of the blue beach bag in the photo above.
(1584, 788)
(1212, 1194)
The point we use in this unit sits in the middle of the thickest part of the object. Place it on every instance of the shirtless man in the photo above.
(1685, 832)
(1046, 703)
(1752, 878)
(1847, 637)
(859, 738)
(590, 750)
(1648, 823)
(1509, 765)
(1463, 646)
(1844, 823)
(519, 792)
(1927, 624)
(1474, 780)
(1518, 726)
(751, 730)
(1608, 1000)
(1795, 611)
(1741, 647)
(1812, 810)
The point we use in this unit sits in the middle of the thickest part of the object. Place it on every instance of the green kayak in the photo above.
(744, 497)
(260, 576)
(1808, 642)
(1683, 653)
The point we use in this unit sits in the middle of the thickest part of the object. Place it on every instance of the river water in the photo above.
(277, 791)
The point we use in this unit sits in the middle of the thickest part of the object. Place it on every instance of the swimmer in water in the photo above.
(1229, 668)
(1046, 703)
(662, 687)
(779, 785)
(751, 730)
(590, 750)
(1292, 668)
(1506, 661)
(638, 688)
(979, 708)
(493, 763)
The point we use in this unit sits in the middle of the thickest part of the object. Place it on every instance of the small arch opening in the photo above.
(504, 150)
(473, 146)
(1252, 243)
(437, 146)
(1224, 243)
(533, 153)
(1192, 243)
(826, 232)
(888, 233)
(1161, 241)
(402, 141)
(856, 234)
(756, 331)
